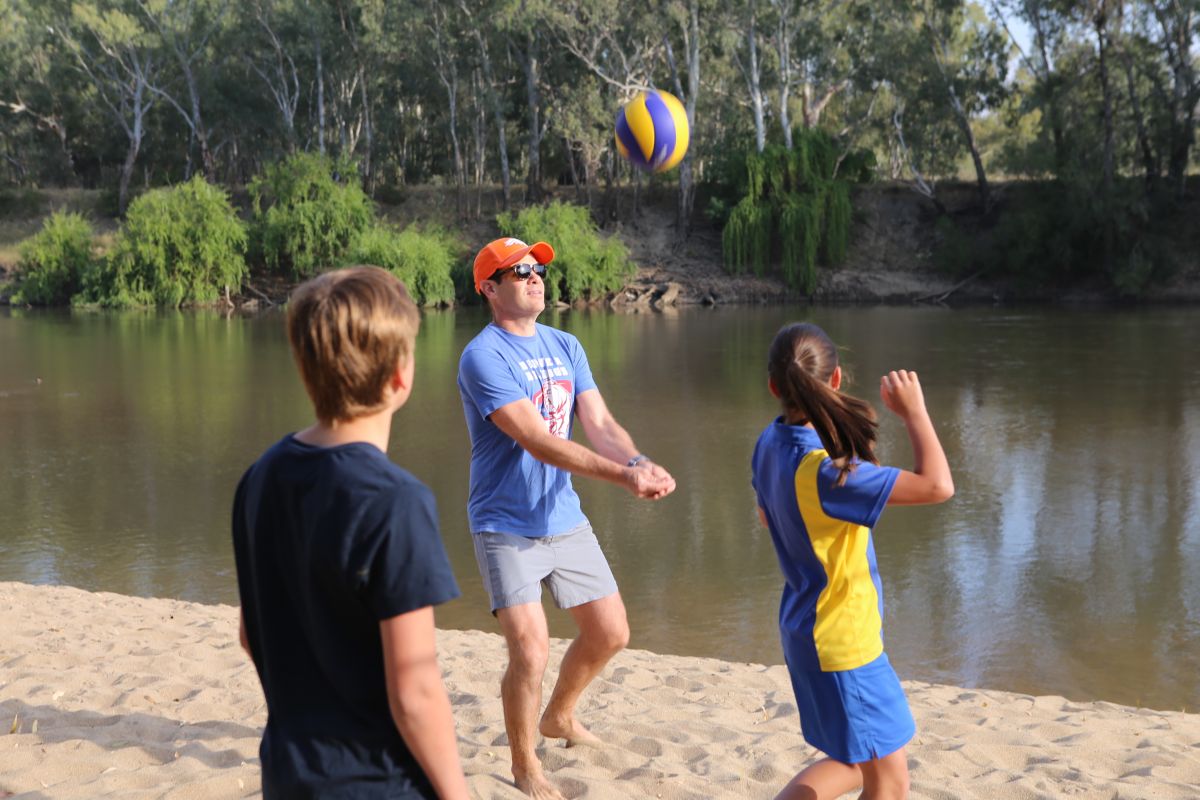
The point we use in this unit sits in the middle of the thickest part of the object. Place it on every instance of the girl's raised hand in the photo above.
(901, 392)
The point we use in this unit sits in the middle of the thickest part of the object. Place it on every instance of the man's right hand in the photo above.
(649, 481)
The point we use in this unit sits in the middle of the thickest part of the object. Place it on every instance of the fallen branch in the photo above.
(940, 297)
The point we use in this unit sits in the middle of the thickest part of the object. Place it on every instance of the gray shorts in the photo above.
(572, 566)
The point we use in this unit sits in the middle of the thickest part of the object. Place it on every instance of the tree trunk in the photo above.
(691, 41)
(570, 153)
(961, 119)
(1109, 234)
(753, 81)
(529, 64)
(448, 75)
(1177, 24)
(1149, 162)
(783, 47)
(131, 154)
(480, 129)
(494, 101)
(1101, 25)
(320, 95)
(1052, 95)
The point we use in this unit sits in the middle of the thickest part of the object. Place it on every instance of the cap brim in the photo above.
(542, 251)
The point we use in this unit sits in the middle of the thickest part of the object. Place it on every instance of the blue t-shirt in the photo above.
(328, 543)
(511, 491)
(831, 614)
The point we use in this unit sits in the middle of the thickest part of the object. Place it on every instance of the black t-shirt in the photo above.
(329, 542)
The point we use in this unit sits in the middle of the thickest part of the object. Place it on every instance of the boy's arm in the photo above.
(418, 700)
(242, 637)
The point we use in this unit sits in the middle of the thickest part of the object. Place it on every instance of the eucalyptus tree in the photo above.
(270, 52)
(747, 24)
(476, 14)
(37, 95)
(522, 22)
(947, 64)
(1046, 23)
(623, 52)
(441, 21)
(685, 14)
(121, 59)
(188, 30)
(1179, 24)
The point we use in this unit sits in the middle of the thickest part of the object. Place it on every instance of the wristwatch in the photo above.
(633, 462)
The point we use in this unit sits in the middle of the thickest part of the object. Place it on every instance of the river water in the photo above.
(1068, 562)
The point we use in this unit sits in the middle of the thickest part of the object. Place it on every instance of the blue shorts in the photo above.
(855, 715)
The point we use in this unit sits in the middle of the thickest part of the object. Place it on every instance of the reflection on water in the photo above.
(1068, 562)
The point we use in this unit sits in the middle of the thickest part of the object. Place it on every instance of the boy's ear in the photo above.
(835, 380)
(402, 375)
(771, 385)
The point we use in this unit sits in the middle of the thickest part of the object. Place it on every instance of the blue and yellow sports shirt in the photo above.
(831, 614)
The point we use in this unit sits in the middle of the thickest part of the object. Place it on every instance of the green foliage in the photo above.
(308, 213)
(586, 264)
(423, 260)
(179, 246)
(792, 208)
(838, 214)
(1056, 234)
(800, 237)
(54, 260)
(955, 251)
(746, 241)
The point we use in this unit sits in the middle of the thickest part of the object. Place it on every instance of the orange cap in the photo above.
(502, 253)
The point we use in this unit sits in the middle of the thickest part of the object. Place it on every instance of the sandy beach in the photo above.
(107, 696)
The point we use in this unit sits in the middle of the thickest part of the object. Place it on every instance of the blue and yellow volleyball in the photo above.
(652, 131)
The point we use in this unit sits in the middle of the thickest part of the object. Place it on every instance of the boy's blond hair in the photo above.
(349, 330)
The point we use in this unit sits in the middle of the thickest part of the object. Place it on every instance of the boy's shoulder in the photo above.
(357, 465)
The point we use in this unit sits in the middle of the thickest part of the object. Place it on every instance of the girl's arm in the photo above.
(418, 700)
(930, 480)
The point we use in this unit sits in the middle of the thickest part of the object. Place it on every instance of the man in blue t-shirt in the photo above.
(339, 565)
(521, 384)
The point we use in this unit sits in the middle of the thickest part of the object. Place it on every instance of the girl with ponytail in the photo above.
(820, 490)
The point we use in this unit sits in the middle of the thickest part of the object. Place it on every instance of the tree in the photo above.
(187, 29)
(121, 59)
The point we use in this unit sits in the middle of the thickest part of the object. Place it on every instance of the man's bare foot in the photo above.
(537, 786)
(569, 729)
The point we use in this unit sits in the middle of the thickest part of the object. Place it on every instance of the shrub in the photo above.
(54, 260)
(787, 207)
(179, 245)
(586, 265)
(308, 213)
(423, 260)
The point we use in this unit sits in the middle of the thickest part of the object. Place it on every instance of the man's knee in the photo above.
(609, 636)
(529, 652)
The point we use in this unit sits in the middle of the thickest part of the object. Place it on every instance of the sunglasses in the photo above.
(522, 271)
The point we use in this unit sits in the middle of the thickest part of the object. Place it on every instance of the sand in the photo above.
(107, 696)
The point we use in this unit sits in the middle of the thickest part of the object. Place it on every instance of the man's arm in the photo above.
(417, 697)
(611, 439)
(521, 422)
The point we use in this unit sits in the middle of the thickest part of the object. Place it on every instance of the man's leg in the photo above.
(528, 639)
(603, 632)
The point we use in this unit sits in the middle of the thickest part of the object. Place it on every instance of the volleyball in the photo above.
(652, 131)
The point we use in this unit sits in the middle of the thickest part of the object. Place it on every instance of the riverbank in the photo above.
(892, 255)
(114, 696)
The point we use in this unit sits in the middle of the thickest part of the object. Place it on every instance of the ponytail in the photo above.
(801, 362)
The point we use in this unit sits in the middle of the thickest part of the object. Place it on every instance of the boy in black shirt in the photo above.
(340, 563)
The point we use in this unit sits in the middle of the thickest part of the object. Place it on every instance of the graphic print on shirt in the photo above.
(555, 393)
